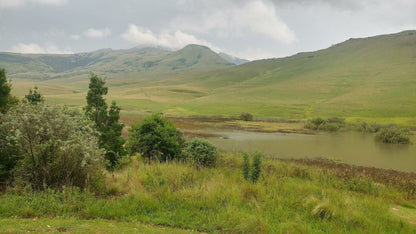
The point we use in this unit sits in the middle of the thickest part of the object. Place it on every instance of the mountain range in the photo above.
(149, 61)
(370, 79)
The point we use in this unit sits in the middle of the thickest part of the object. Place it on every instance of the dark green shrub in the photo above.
(5, 88)
(246, 166)
(201, 152)
(155, 138)
(256, 167)
(393, 134)
(53, 147)
(246, 116)
(252, 173)
(34, 97)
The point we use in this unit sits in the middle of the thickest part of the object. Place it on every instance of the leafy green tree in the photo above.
(111, 138)
(5, 88)
(34, 97)
(50, 147)
(155, 138)
(96, 107)
(106, 121)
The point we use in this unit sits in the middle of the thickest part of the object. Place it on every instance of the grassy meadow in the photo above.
(177, 197)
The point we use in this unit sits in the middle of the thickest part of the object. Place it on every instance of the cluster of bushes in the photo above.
(332, 124)
(158, 139)
(393, 134)
(390, 133)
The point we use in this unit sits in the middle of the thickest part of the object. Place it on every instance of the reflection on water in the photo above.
(354, 148)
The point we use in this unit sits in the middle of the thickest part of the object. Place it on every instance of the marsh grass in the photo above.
(288, 197)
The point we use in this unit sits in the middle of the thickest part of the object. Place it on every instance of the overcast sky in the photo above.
(251, 29)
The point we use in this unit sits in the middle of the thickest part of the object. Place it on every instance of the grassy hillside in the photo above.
(154, 62)
(370, 78)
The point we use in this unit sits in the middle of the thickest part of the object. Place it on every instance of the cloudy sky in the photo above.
(251, 29)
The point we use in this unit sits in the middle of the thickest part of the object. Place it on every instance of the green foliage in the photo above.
(331, 124)
(370, 128)
(5, 88)
(246, 166)
(106, 121)
(156, 138)
(34, 97)
(246, 116)
(393, 135)
(200, 152)
(9, 153)
(96, 107)
(255, 168)
(252, 173)
(54, 146)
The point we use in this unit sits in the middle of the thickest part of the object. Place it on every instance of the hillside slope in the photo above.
(154, 62)
(370, 78)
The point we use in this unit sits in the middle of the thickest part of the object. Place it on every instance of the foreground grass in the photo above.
(42, 225)
(288, 198)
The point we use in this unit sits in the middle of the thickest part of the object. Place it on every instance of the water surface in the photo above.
(352, 147)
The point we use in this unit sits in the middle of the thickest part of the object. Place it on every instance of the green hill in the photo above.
(370, 78)
(149, 61)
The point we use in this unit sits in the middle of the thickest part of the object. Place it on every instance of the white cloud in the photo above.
(97, 33)
(33, 48)
(75, 37)
(18, 3)
(256, 18)
(176, 40)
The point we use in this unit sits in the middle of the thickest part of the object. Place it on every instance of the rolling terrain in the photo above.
(361, 79)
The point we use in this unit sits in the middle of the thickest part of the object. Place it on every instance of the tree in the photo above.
(34, 97)
(155, 138)
(96, 107)
(106, 121)
(5, 88)
(50, 147)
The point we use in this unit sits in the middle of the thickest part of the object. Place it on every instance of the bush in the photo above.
(246, 166)
(50, 147)
(201, 152)
(252, 173)
(331, 124)
(246, 116)
(393, 134)
(155, 138)
(256, 167)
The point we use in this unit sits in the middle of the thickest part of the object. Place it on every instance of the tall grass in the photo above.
(288, 197)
